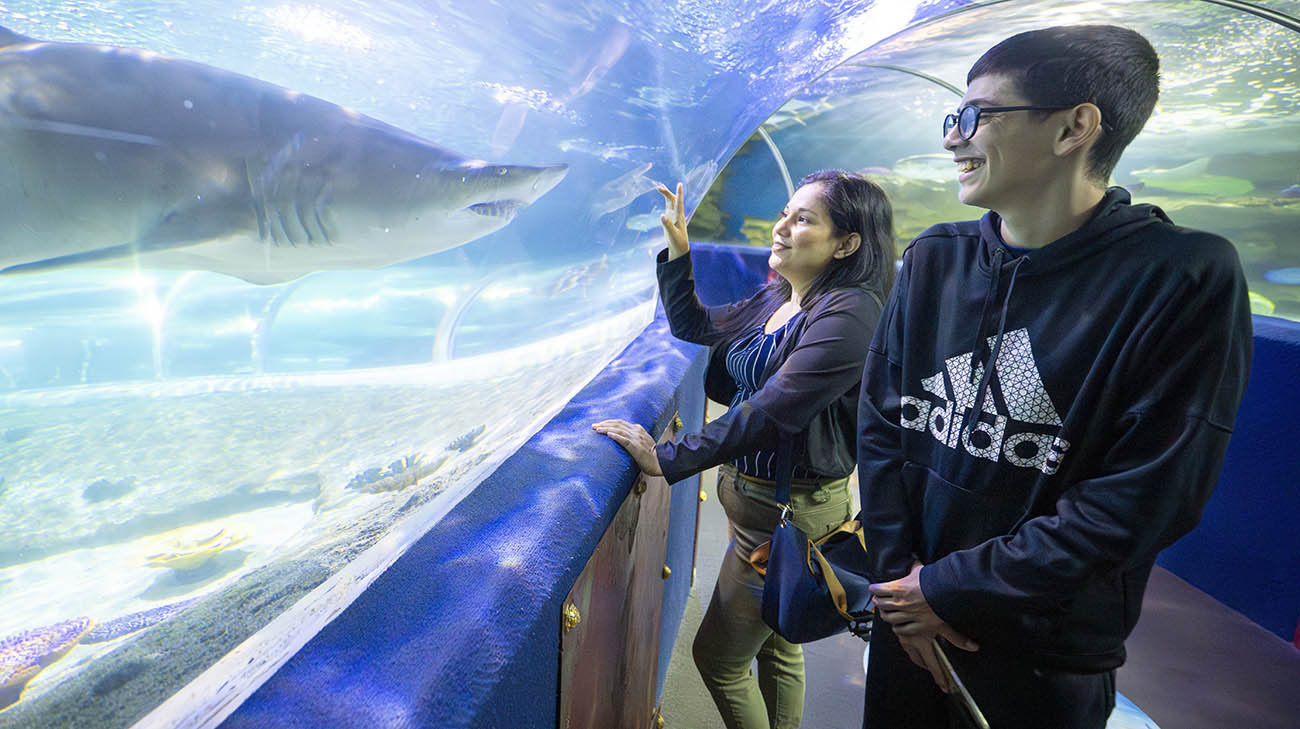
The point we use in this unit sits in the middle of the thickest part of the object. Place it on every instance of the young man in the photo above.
(1047, 401)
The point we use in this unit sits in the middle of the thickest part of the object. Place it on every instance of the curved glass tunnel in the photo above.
(1220, 153)
(180, 433)
(282, 282)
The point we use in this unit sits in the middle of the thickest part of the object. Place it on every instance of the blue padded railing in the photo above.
(463, 629)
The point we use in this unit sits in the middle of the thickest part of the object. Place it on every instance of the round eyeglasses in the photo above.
(967, 118)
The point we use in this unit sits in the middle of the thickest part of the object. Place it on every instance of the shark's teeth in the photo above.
(497, 208)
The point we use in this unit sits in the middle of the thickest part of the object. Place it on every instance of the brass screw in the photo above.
(571, 617)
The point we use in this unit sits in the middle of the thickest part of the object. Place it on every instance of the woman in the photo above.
(789, 361)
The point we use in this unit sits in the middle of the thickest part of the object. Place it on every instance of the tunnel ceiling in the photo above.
(1221, 151)
(175, 414)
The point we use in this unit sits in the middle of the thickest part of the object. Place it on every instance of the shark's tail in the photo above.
(10, 38)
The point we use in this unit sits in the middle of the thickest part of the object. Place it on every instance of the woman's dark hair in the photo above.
(855, 205)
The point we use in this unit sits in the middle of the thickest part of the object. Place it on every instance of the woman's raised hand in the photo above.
(674, 222)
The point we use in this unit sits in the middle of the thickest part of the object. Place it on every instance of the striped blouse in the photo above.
(746, 359)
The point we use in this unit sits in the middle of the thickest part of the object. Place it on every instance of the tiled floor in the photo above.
(1193, 663)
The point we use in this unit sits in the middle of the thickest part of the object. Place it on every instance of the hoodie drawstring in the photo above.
(977, 347)
(982, 391)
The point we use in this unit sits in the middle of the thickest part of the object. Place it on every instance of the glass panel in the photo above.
(216, 425)
(1221, 152)
(253, 341)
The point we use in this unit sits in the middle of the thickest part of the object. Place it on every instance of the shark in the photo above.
(1194, 178)
(113, 156)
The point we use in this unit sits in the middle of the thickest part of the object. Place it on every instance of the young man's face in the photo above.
(1006, 162)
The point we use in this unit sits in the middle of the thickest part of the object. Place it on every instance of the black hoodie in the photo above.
(1122, 353)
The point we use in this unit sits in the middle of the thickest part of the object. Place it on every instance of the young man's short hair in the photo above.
(1114, 68)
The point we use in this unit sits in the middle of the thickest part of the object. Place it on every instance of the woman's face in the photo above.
(803, 240)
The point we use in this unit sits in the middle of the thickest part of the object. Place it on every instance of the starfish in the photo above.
(188, 555)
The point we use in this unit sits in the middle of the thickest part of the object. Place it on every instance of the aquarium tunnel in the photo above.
(306, 309)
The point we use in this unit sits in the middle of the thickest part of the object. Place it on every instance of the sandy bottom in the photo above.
(246, 493)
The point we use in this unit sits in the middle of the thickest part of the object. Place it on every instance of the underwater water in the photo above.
(281, 285)
(1221, 152)
(280, 282)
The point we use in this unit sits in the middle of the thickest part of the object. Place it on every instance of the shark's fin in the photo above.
(1199, 166)
(262, 278)
(1194, 178)
(52, 126)
(97, 255)
(73, 259)
(111, 253)
(10, 38)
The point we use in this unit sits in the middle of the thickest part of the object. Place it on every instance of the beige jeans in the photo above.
(732, 634)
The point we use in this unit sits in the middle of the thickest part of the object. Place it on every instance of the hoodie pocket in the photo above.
(950, 517)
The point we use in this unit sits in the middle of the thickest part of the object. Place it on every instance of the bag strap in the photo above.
(852, 527)
(784, 470)
(833, 584)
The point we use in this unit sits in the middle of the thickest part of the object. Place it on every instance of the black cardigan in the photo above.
(809, 390)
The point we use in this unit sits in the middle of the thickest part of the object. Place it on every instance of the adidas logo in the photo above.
(1024, 427)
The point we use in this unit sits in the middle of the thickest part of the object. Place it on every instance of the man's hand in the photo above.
(902, 604)
(635, 440)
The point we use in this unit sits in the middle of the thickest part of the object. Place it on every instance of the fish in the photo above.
(402, 473)
(186, 554)
(700, 178)
(621, 191)
(1260, 304)
(1194, 178)
(466, 440)
(104, 489)
(582, 276)
(644, 222)
(695, 182)
(119, 157)
(927, 167)
(1292, 191)
(796, 111)
(1285, 276)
